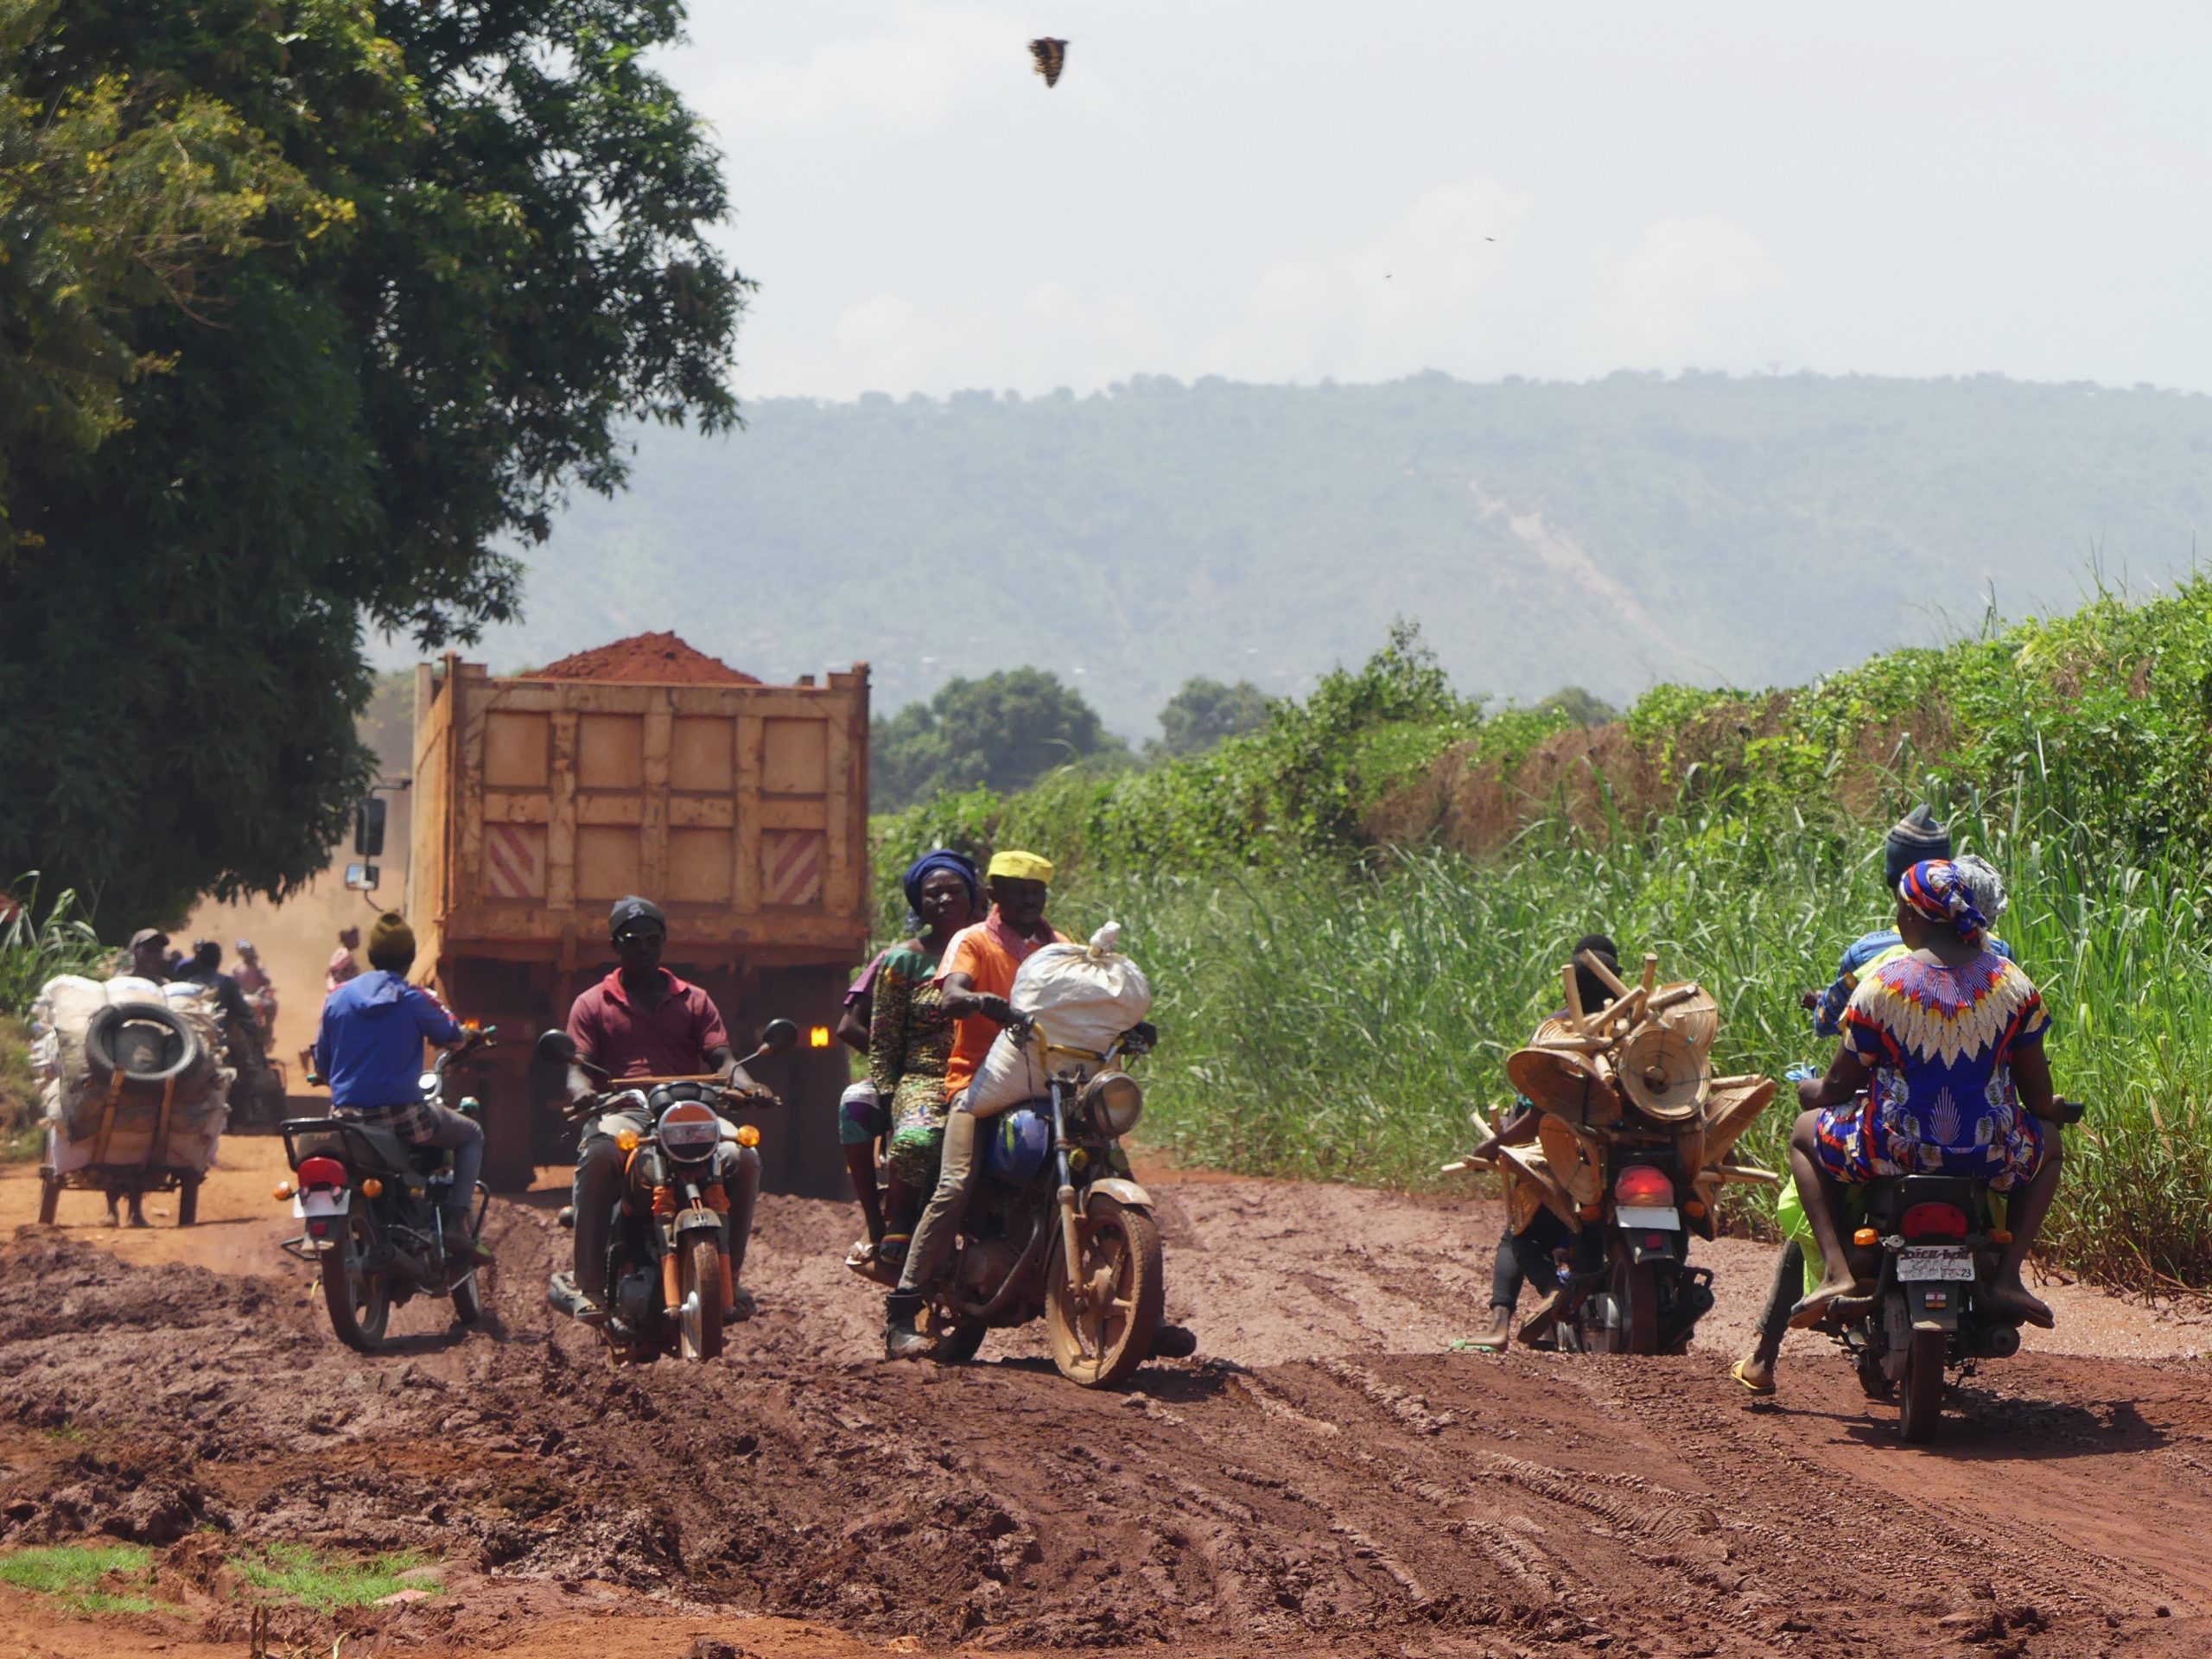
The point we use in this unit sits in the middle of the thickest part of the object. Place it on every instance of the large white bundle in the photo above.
(63, 1012)
(1083, 996)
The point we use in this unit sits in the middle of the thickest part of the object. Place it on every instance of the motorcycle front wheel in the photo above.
(1102, 1344)
(699, 1316)
(360, 1303)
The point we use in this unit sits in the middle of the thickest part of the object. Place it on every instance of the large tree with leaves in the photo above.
(308, 309)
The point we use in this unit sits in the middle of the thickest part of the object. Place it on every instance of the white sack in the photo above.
(62, 1012)
(1083, 996)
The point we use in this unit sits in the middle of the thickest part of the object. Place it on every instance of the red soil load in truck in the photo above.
(643, 766)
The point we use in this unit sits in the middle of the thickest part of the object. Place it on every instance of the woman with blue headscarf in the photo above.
(910, 1039)
(1942, 1070)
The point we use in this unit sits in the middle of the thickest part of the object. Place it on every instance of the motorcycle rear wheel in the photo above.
(1633, 1288)
(699, 1316)
(1920, 1401)
(360, 1303)
(1102, 1347)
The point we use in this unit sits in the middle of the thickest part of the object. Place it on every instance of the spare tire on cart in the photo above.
(151, 1044)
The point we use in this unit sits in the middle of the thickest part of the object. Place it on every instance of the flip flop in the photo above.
(1476, 1345)
(1759, 1389)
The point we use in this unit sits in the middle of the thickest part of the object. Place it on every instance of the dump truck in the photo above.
(740, 808)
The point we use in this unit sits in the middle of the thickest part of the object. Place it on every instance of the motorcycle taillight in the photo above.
(1645, 1186)
(321, 1172)
(1933, 1221)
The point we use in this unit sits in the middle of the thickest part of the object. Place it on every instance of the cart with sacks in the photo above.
(1635, 1141)
(134, 1092)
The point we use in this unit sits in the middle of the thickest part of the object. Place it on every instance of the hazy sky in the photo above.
(1285, 190)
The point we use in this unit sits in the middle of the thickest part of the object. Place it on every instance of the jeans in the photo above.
(598, 1189)
(1527, 1254)
(423, 1123)
(940, 1224)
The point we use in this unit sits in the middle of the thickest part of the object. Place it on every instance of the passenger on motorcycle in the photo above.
(642, 1021)
(1534, 1253)
(1800, 1266)
(975, 976)
(369, 1048)
(1946, 1042)
(909, 1043)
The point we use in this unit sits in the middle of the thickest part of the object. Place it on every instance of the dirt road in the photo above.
(1327, 1477)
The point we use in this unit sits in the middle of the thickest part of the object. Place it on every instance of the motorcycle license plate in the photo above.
(1648, 1218)
(1918, 1264)
(322, 1201)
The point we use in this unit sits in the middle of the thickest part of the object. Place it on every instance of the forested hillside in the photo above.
(1611, 534)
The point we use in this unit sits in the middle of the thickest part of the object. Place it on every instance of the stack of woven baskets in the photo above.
(1640, 1070)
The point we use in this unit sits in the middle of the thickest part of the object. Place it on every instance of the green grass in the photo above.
(73, 1574)
(20, 1135)
(315, 1579)
(1333, 1024)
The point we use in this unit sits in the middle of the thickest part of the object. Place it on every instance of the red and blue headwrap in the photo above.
(1935, 889)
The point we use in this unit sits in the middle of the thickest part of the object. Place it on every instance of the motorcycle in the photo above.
(374, 1211)
(669, 1266)
(1940, 1245)
(1625, 1285)
(1057, 1230)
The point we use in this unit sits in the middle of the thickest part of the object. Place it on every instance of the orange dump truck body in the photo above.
(740, 809)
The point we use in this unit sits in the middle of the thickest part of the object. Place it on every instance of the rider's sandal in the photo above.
(862, 1255)
(1760, 1390)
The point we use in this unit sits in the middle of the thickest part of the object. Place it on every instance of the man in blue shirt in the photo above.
(370, 1049)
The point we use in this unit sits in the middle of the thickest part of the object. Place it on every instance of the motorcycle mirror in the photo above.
(557, 1048)
(780, 1037)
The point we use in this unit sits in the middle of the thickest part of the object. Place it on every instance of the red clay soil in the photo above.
(1325, 1477)
(650, 659)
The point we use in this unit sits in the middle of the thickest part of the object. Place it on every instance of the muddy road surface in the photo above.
(1327, 1476)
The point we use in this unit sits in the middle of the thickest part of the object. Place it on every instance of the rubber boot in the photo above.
(900, 1339)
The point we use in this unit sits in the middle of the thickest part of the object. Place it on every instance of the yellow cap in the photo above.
(1021, 867)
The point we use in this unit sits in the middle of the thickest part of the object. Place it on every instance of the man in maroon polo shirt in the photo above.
(643, 1021)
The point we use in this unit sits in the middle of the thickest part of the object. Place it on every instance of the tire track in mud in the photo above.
(1302, 1489)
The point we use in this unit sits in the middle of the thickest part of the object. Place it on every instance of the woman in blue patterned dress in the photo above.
(1947, 1043)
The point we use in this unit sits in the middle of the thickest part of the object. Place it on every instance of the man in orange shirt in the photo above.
(977, 977)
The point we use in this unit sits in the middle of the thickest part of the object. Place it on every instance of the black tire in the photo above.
(360, 1304)
(699, 1317)
(50, 1196)
(468, 1299)
(187, 1200)
(959, 1342)
(99, 1043)
(1635, 1292)
(1122, 1246)
(1872, 1383)
(1920, 1400)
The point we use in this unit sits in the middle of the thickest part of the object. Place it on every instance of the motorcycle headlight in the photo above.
(1115, 1101)
(689, 1132)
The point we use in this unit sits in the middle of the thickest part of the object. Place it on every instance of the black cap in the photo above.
(634, 909)
(1914, 838)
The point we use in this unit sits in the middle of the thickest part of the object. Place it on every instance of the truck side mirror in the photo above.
(362, 877)
(368, 826)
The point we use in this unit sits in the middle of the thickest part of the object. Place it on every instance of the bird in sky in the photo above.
(1051, 57)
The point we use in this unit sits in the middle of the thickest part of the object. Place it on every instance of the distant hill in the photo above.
(1609, 534)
